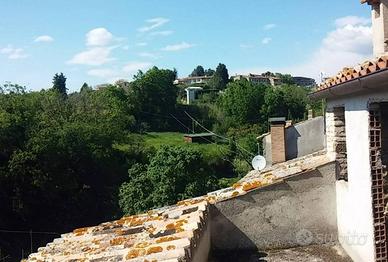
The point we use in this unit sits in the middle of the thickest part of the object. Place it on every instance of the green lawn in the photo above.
(209, 151)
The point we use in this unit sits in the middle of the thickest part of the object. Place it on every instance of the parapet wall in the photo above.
(300, 210)
(302, 139)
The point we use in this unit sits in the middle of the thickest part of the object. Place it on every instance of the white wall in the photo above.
(354, 199)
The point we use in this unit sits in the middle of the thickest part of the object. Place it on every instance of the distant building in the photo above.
(191, 80)
(192, 93)
(304, 81)
(259, 79)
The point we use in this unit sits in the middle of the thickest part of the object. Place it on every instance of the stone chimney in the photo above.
(278, 140)
(379, 26)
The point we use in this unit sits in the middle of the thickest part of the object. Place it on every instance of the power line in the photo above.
(222, 137)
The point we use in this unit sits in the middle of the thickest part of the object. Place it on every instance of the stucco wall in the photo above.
(354, 200)
(299, 211)
(301, 139)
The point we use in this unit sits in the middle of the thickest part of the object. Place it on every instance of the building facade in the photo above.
(258, 79)
(357, 138)
(191, 80)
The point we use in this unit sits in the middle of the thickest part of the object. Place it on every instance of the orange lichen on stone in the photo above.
(151, 229)
(166, 239)
(96, 242)
(267, 175)
(177, 225)
(235, 193)
(189, 202)
(170, 247)
(153, 250)
(251, 185)
(211, 199)
(142, 244)
(236, 185)
(134, 253)
(80, 231)
(117, 241)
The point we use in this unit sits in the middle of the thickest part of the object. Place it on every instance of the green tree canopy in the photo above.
(59, 84)
(174, 173)
(154, 96)
(220, 78)
(198, 71)
(287, 100)
(241, 102)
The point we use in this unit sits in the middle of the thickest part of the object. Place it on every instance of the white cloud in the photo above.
(351, 20)
(98, 51)
(99, 37)
(94, 56)
(13, 53)
(133, 66)
(347, 45)
(44, 38)
(162, 33)
(178, 47)
(269, 26)
(266, 40)
(148, 55)
(153, 23)
(102, 73)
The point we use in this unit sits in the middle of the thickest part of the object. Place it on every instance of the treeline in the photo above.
(71, 160)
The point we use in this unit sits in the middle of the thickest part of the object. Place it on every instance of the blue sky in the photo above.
(102, 41)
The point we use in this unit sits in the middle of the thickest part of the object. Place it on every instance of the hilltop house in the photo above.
(258, 79)
(193, 80)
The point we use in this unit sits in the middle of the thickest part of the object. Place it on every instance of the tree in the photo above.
(286, 100)
(85, 88)
(59, 84)
(154, 96)
(286, 79)
(241, 102)
(174, 173)
(209, 72)
(198, 71)
(220, 78)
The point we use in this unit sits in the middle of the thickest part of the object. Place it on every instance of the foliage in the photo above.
(59, 159)
(198, 71)
(59, 84)
(220, 78)
(241, 102)
(153, 94)
(209, 72)
(174, 173)
(286, 100)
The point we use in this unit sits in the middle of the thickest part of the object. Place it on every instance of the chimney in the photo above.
(278, 141)
(379, 26)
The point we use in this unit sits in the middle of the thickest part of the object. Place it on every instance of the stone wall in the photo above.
(300, 210)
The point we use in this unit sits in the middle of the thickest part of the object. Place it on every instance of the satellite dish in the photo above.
(259, 162)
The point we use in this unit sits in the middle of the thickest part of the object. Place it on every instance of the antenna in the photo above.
(259, 163)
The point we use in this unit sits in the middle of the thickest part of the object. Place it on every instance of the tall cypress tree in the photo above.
(59, 84)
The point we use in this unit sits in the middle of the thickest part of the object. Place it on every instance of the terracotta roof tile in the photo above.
(348, 74)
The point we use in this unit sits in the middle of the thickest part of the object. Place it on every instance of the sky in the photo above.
(99, 41)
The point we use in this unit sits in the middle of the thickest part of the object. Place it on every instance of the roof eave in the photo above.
(374, 81)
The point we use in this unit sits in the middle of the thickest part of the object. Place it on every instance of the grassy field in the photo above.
(209, 151)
